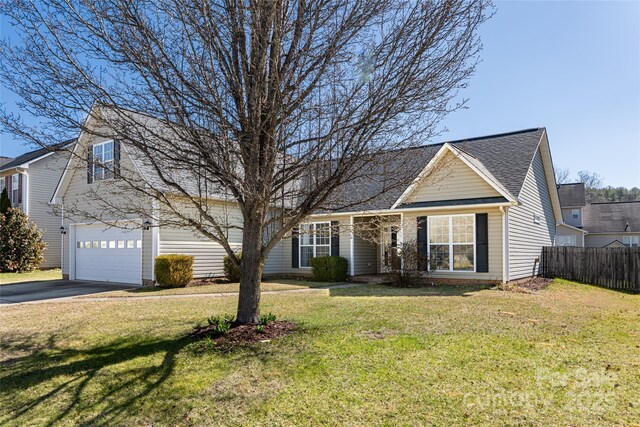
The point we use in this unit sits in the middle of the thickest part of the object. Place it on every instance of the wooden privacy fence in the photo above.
(615, 268)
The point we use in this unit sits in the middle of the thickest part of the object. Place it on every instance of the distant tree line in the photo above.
(596, 191)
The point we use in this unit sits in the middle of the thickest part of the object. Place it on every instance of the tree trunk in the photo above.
(250, 274)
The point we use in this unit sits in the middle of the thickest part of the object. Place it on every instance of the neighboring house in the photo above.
(573, 201)
(30, 180)
(4, 160)
(487, 220)
(610, 222)
(602, 224)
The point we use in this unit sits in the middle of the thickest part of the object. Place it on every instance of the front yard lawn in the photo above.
(214, 288)
(38, 275)
(369, 355)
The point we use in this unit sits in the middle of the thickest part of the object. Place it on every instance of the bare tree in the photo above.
(591, 179)
(273, 105)
(562, 175)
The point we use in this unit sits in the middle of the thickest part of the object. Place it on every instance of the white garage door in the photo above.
(108, 254)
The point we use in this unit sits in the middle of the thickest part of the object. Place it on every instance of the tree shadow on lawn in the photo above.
(422, 291)
(82, 366)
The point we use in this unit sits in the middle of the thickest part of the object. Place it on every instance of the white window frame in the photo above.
(451, 244)
(100, 163)
(575, 213)
(565, 237)
(631, 241)
(15, 189)
(309, 226)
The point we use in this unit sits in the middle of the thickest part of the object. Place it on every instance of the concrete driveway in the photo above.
(52, 289)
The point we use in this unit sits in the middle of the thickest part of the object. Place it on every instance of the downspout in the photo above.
(351, 248)
(505, 243)
(62, 239)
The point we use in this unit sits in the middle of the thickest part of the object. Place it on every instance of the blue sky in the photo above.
(573, 67)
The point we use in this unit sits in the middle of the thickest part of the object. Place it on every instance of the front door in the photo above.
(390, 261)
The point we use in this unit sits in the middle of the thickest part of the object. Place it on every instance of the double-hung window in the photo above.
(632, 241)
(575, 213)
(102, 160)
(315, 241)
(452, 242)
(15, 189)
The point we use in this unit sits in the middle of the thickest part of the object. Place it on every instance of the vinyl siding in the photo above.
(345, 245)
(365, 256)
(566, 231)
(452, 180)
(209, 255)
(526, 238)
(78, 198)
(600, 240)
(494, 231)
(567, 217)
(43, 178)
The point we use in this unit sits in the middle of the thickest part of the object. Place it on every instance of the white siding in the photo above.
(452, 179)
(526, 238)
(43, 178)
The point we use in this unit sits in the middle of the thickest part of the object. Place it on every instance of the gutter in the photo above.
(408, 210)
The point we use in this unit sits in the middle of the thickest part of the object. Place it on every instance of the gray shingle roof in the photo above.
(507, 156)
(572, 195)
(4, 160)
(32, 155)
(612, 217)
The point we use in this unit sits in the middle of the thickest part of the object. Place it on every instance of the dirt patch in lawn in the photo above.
(527, 286)
(241, 335)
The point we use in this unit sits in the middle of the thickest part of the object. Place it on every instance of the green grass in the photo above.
(38, 275)
(370, 355)
(280, 285)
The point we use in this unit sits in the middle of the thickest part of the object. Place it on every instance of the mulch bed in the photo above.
(245, 334)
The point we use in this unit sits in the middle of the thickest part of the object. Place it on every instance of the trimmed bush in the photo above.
(21, 245)
(230, 271)
(174, 270)
(329, 268)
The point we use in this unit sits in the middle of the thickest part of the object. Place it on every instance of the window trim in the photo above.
(15, 187)
(313, 245)
(451, 244)
(101, 164)
(575, 213)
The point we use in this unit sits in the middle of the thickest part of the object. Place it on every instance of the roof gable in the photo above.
(35, 155)
(452, 174)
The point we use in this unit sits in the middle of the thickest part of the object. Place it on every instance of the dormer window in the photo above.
(102, 161)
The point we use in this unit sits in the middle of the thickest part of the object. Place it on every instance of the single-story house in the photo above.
(483, 217)
(599, 224)
(30, 180)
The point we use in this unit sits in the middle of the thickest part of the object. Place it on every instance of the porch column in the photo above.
(351, 245)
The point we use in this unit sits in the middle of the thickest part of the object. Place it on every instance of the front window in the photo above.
(575, 213)
(566, 241)
(15, 189)
(315, 241)
(631, 241)
(103, 161)
(452, 242)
